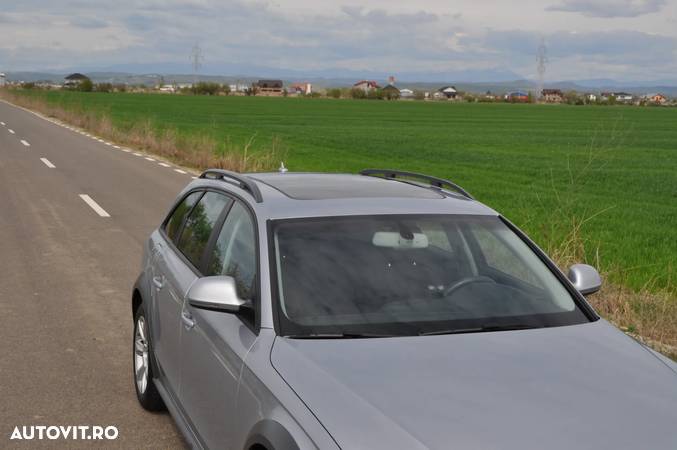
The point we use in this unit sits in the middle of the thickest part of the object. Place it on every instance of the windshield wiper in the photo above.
(338, 336)
(486, 328)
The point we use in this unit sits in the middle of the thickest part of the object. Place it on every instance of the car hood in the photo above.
(583, 386)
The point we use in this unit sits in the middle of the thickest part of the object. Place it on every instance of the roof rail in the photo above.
(241, 181)
(438, 183)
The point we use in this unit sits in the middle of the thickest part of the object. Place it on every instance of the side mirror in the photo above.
(217, 294)
(585, 278)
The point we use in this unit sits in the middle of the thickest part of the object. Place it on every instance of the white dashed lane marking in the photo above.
(25, 143)
(149, 159)
(164, 165)
(47, 163)
(180, 171)
(10, 130)
(2, 123)
(94, 205)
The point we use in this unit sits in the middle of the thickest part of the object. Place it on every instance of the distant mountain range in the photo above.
(470, 81)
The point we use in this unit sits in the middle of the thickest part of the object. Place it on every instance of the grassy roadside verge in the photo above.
(647, 310)
(194, 150)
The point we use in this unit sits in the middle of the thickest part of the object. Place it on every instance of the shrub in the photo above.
(334, 93)
(85, 85)
(206, 88)
(375, 94)
(357, 94)
(103, 87)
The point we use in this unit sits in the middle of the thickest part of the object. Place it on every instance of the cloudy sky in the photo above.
(626, 40)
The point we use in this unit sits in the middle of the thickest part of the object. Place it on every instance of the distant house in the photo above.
(301, 89)
(3, 79)
(168, 88)
(366, 85)
(74, 79)
(449, 92)
(552, 95)
(238, 88)
(406, 93)
(658, 99)
(591, 97)
(391, 91)
(517, 97)
(271, 88)
(623, 97)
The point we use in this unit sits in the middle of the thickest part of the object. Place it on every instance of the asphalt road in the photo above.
(67, 265)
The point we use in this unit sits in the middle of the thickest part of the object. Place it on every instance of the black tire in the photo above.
(148, 397)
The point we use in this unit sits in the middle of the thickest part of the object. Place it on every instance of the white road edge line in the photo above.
(25, 143)
(180, 171)
(164, 165)
(48, 163)
(138, 154)
(10, 130)
(94, 205)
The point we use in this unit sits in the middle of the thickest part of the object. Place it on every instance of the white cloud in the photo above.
(427, 37)
(610, 8)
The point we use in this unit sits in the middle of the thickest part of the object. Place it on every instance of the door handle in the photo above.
(187, 320)
(159, 281)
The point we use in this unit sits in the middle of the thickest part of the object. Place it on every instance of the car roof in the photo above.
(295, 195)
(319, 186)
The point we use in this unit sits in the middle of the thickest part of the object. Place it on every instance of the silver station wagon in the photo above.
(384, 310)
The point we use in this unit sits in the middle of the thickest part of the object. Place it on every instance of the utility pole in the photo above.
(542, 60)
(196, 58)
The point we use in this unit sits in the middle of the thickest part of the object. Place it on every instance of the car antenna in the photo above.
(282, 168)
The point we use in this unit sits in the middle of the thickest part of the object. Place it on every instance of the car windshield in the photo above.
(412, 275)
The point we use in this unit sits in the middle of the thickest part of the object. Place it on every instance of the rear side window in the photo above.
(176, 219)
(199, 226)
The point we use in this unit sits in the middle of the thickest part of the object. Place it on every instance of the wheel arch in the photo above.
(270, 435)
(137, 295)
(137, 300)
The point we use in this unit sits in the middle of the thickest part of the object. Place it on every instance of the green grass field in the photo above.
(545, 167)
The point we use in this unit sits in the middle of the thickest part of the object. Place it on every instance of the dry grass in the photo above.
(647, 314)
(194, 151)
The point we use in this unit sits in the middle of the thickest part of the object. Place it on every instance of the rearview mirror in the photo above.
(393, 239)
(216, 293)
(585, 278)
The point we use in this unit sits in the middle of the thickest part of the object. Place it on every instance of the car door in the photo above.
(214, 344)
(167, 306)
(179, 265)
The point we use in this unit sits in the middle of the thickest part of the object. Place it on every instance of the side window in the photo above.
(499, 256)
(176, 219)
(235, 251)
(199, 226)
